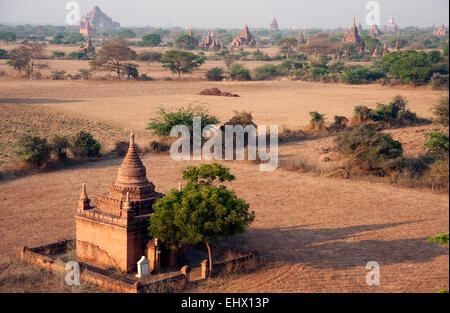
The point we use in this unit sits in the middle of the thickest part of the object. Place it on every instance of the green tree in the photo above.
(33, 150)
(185, 41)
(204, 211)
(8, 37)
(287, 46)
(83, 144)
(151, 40)
(215, 74)
(112, 57)
(149, 57)
(126, 33)
(179, 62)
(411, 67)
(163, 123)
(26, 58)
(57, 39)
(239, 72)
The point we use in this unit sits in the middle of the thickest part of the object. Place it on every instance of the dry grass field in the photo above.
(315, 234)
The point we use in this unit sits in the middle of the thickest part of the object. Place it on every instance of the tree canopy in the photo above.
(113, 57)
(179, 62)
(204, 211)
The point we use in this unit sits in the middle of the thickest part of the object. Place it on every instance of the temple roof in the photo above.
(132, 172)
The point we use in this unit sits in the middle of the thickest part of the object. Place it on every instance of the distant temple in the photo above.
(360, 29)
(274, 24)
(210, 43)
(441, 31)
(374, 32)
(354, 38)
(391, 27)
(94, 20)
(86, 29)
(244, 39)
(88, 48)
(300, 39)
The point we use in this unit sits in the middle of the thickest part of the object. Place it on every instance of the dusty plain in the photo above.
(315, 234)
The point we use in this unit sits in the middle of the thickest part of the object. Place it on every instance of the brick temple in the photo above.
(113, 233)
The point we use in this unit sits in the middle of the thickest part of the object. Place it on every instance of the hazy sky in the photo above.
(230, 13)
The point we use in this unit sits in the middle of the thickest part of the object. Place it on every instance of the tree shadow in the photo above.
(330, 247)
(35, 101)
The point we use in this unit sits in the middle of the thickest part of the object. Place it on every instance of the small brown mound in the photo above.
(217, 92)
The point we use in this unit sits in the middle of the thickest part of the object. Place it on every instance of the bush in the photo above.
(368, 149)
(317, 120)
(411, 67)
(437, 144)
(340, 123)
(162, 124)
(441, 110)
(265, 72)
(439, 81)
(59, 146)
(77, 55)
(355, 75)
(121, 148)
(33, 150)
(362, 113)
(215, 74)
(58, 75)
(239, 72)
(241, 118)
(83, 144)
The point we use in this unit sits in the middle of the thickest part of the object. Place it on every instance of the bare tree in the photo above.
(113, 57)
(26, 58)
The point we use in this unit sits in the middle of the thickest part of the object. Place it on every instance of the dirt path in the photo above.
(315, 234)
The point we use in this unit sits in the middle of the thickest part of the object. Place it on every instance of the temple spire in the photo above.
(132, 171)
(84, 203)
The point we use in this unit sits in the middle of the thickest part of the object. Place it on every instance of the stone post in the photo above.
(204, 265)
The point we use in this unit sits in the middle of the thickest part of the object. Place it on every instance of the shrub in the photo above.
(146, 78)
(443, 238)
(411, 67)
(59, 146)
(3, 54)
(395, 111)
(239, 72)
(362, 113)
(85, 74)
(241, 118)
(441, 110)
(317, 120)
(355, 75)
(437, 144)
(163, 123)
(58, 75)
(265, 72)
(33, 150)
(121, 148)
(58, 54)
(157, 146)
(83, 144)
(439, 81)
(340, 123)
(77, 55)
(215, 74)
(368, 149)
